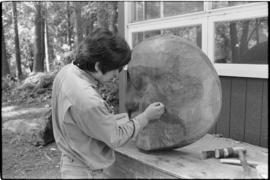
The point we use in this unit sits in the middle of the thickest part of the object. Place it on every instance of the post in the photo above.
(123, 74)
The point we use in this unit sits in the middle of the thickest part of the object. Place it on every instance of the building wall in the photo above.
(244, 113)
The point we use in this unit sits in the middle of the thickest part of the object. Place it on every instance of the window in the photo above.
(191, 33)
(140, 36)
(139, 11)
(221, 4)
(242, 42)
(234, 35)
(172, 8)
(152, 9)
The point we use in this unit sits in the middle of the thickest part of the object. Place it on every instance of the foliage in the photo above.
(109, 92)
(22, 92)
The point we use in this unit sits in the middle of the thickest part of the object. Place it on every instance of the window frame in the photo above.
(207, 19)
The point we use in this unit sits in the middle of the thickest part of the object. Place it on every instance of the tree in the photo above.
(49, 53)
(39, 49)
(5, 65)
(113, 17)
(102, 14)
(234, 42)
(17, 43)
(89, 15)
(68, 25)
(244, 37)
(77, 23)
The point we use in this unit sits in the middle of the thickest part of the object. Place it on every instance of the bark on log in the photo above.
(173, 71)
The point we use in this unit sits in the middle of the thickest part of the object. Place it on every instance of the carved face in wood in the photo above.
(170, 70)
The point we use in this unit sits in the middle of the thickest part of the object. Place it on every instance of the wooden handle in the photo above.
(238, 162)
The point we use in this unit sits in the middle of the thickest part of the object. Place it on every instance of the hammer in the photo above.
(223, 153)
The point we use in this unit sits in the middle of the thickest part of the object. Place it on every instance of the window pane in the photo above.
(138, 11)
(176, 8)
(149, 34)
(140, 36)
(137, 38)
(244, 42)
(191, 33)
(152, 9)
(221, 4)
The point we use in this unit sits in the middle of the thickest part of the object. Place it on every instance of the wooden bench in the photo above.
(184, 162)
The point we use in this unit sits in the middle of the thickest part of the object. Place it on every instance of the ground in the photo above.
(20, 158)
(23, 105)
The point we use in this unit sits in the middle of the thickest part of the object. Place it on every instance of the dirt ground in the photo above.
(21, 159)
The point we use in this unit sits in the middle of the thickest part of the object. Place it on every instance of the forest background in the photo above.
(38, 38)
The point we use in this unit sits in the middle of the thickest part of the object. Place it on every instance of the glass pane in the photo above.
(149, 34)
(244, 42)
(137, 38)
(191, 33)
(140, 36)
(221, 4)
(152, 9)
(138, 11)
(176, 8)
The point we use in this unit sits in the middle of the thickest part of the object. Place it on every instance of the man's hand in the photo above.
(154, 111)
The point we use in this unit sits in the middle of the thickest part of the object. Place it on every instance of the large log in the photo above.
(38, 131)
(173, 71)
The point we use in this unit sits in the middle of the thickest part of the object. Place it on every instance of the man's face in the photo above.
(172, 72)
(110, 75)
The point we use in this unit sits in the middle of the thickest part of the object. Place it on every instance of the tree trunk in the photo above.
(90, 25)
(244, 38)
(113, 17)
(234, 41)
(78, 24)
(47, 54)
(257, 31)
(102, 15)
(39, 50)
(17, 43)
(5, 65)
(69, 26)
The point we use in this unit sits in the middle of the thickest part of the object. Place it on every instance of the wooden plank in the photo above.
(253, 111)
(138, 169)
(116, 172)
(223, 123)
(186, 162)
(264, 122)
(238, 103)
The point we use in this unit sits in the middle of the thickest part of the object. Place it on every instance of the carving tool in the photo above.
(237, 162)
(223, 153)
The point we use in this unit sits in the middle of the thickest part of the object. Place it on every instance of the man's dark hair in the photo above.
(110, 50)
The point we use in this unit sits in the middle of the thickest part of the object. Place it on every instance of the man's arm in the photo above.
(98, 123)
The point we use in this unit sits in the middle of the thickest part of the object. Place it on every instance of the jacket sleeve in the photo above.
(97, 122)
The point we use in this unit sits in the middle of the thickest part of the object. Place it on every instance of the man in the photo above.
(84, 129)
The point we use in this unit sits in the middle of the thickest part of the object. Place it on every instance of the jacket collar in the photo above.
(84, 75)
